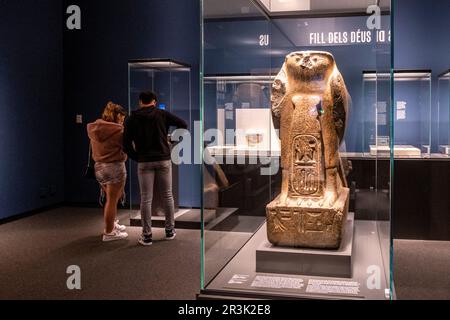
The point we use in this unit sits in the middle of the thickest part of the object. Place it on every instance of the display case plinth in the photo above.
(188, 218)
(328, 263)
(239, 277)
(157, 220)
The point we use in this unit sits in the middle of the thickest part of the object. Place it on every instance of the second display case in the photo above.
(411, 114)
(444, 113)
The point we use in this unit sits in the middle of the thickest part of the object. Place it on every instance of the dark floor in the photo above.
(36, 251)
(422, 269)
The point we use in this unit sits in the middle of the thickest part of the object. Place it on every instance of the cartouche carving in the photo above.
(309, 106)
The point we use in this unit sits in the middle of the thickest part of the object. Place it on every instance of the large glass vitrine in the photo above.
(245, 44)
(171, 81)
(444, 113)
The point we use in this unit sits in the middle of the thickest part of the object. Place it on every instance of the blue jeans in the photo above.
(161, 173)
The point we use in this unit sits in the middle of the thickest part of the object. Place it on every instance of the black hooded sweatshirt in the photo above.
(145, 134)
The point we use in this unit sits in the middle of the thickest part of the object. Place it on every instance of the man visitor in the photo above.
(145, 141)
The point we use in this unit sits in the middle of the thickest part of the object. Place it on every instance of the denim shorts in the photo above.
(110, 173)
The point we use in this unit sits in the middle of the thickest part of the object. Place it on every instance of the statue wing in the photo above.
(341, 104)
(279, 89)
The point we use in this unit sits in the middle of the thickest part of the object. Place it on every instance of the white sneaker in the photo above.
(119, 227)
(115, 235)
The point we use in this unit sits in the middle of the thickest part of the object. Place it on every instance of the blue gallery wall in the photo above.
(95, 64)
(31, 104)
(422, 40)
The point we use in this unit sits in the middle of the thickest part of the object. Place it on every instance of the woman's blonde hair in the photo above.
(112, 112)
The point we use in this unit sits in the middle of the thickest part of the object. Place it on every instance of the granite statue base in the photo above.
(308, 225)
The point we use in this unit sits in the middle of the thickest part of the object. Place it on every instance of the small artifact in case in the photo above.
(254, 138)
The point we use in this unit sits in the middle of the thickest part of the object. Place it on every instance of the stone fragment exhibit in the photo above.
(310, 106)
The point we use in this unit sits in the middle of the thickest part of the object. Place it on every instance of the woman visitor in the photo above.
(106, 136)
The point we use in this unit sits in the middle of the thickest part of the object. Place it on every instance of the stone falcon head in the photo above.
(309, 65)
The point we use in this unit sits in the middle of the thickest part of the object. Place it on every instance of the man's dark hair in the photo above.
(147, 97)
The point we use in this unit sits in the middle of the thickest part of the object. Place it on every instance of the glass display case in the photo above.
(444, 113)
(243, 106)
(412, 114)
(171, 81)
(276, 81)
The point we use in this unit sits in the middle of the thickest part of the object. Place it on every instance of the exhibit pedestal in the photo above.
(426, 149)
(327, 263)
(445, 150)
(399, 151)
